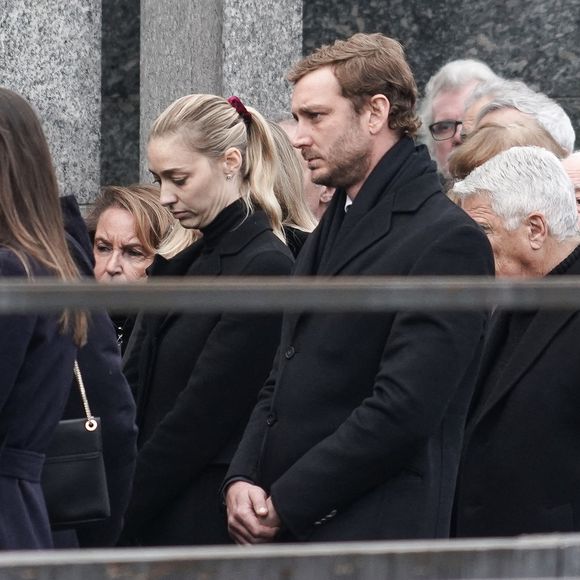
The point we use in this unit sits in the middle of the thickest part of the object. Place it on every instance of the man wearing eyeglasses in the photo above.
(443, 105)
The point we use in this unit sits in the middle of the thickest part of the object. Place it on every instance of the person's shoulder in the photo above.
(257, 236)
(11, 264)
(273, 261)
(447, 212)
(20, 264)
(266, 254)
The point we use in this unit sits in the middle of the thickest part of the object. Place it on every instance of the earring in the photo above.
(229, 177)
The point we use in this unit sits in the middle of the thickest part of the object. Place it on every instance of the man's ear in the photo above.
(537, 230)
(379, 109)
(232, 160)
(326, 195)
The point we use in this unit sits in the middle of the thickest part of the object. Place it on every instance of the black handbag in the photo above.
(74, 480)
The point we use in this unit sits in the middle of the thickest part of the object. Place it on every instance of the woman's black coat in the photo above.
(36, 363)
(197, 376)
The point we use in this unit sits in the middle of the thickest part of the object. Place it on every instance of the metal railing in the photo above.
(546, 557)
(366, 294)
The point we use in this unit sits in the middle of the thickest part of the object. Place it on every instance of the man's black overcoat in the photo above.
(520, 472)
(358, 430)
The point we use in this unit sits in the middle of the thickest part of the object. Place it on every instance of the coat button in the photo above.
(271, 419)
(289, 352)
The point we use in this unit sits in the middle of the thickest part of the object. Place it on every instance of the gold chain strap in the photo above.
(91, 423)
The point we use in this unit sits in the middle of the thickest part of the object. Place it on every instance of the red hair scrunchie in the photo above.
(237, 104)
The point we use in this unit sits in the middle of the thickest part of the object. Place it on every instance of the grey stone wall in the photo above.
(181, 53)
(262, 39)
(533, 40)
(50, 53)
(223, 47)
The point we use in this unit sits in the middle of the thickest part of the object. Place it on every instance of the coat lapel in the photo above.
(393, 186)
(538, 336)
(364, 227)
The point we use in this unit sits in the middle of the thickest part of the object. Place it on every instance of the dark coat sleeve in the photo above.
(109, 396)
(220, 393)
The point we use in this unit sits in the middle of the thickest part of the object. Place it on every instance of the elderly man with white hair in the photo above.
(443, 104)
(507, 101)
(520, 472)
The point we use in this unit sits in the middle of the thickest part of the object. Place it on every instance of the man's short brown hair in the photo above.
(367, 65)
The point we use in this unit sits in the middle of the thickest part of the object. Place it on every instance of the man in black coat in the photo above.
(358, 430)
(520, 472)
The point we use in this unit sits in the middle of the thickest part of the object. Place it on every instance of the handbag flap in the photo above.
(71, 438)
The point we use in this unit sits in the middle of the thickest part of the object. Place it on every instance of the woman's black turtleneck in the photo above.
(227, 220)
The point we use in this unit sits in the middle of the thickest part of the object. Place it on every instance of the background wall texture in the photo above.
(532, 40)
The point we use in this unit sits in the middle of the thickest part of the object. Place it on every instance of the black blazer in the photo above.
(197, 376)
(358, 430)
(520, 471)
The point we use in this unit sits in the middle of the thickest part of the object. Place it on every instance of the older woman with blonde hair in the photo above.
(128, 227)
(490, 139)
(197, 375)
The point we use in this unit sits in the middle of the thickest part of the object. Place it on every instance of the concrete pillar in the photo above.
(222, 47)
(50, 54)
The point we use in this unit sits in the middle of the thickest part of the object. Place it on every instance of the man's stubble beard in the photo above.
(348, 162)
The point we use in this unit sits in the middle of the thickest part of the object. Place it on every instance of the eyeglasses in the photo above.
(443, 130)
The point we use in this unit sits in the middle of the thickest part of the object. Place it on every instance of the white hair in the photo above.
(452, 76)
(521, 181)
(505, 94)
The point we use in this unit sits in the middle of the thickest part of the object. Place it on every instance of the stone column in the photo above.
(223, 47)
(50, 54)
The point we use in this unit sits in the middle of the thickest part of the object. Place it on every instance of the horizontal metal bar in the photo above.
(552, 556)
(254, 294)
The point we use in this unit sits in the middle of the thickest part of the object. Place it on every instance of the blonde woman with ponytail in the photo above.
(37, 350)
(197, 375)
